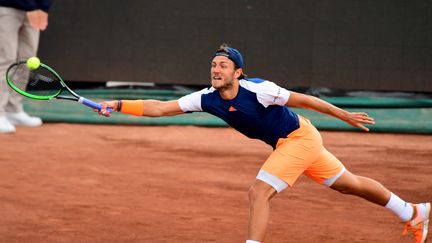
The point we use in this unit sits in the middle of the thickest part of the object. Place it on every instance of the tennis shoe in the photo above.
(23, 119)
(6, 126)
(419, 224)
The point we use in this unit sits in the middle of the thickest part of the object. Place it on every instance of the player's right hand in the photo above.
(105, 104)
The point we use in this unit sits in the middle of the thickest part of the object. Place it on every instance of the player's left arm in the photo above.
(356, 119)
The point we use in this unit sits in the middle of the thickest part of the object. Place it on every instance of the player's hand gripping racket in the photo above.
(41, 82)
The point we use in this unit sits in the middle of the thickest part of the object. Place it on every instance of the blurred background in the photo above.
(346, 44)
(379, 53)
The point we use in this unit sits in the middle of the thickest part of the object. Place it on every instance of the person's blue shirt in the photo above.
(27, 5)
(258, 111)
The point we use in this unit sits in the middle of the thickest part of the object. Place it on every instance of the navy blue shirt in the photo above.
(258, 111)
(27, 5)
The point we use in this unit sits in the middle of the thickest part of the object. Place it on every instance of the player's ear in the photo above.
(238, 72)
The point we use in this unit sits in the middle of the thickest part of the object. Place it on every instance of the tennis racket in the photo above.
(43, 83)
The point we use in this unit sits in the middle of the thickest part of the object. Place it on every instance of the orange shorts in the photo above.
(302, 152)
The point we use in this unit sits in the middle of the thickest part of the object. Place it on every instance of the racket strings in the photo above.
(40, 83)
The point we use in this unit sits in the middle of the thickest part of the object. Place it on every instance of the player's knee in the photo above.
(259, 193)
(255, 195)
(350, 186)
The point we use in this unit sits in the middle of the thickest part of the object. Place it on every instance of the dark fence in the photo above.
(347, 44)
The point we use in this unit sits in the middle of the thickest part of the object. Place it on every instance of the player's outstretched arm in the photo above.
(356, 119)
(152, 108)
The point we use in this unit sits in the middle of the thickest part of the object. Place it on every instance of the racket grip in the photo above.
(92, 104)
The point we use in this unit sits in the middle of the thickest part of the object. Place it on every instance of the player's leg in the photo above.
(416, 216)
(348, 183)
(259, 198)
(363, 187)
(288, 161)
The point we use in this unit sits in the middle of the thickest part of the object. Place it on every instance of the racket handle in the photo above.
(92, 104)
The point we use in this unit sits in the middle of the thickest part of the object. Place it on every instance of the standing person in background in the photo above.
(20, 24)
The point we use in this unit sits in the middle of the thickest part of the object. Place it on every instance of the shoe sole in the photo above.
(7, 132)
(426, 223)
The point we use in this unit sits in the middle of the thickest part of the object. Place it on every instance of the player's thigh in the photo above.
(326, 170)
(289, 160)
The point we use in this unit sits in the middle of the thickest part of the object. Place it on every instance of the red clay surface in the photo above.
(99, 183)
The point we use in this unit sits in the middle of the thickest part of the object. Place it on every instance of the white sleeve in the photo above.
(269, 93)
(272, 94)
(192, 102)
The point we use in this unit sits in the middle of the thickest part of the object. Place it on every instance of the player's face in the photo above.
(222, 72)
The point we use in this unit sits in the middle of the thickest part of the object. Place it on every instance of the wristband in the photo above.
(119, 105)
(132, 107)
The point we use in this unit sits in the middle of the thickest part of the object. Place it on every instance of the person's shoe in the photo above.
(23, 119)
(419, 224)
(6, 126)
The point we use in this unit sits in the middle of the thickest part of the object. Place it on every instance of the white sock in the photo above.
(399, 207)
(422, 210)
(252, 241)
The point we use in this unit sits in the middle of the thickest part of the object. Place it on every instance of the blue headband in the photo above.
(234, 55)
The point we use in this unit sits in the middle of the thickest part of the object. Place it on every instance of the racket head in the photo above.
(42, 83)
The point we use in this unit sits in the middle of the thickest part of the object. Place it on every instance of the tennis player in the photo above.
(259, 109)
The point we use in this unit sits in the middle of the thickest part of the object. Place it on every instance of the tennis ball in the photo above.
(33, 63)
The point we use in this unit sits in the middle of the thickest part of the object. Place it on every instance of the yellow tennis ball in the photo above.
(33, 63)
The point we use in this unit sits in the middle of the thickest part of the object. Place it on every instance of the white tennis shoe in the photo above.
(6, 126)
(418, 226)
(23, 119)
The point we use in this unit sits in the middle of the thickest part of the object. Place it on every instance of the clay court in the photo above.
(112, 183)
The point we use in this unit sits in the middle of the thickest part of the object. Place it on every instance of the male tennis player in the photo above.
(259, 109)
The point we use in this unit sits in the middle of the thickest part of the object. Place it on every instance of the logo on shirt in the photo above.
(277, 96)
(232, 108)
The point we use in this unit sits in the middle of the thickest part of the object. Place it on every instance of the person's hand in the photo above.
(357, 119)
(38, 19)
(105, 104)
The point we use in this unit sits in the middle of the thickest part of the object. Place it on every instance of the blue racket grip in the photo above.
(92, 104)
